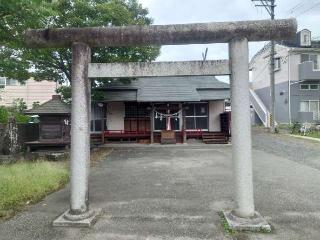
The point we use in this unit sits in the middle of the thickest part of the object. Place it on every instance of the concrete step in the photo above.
(215, 138)
(157, 219)
(157, 227)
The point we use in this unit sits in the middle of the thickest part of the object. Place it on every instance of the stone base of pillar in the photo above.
(254, 224)
(83, 220)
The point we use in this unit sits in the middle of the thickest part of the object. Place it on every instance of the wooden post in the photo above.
(184, 126)
(151, 125)
(102, 130)
(102, 125)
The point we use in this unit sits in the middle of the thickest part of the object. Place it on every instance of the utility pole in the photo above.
(269, 6)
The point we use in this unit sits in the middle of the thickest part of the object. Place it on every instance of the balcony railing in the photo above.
(307, 71)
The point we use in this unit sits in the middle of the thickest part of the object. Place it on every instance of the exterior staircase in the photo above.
(259, 107)
(215, 138)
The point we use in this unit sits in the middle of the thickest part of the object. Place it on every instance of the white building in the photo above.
(31, 91)
(297, 79)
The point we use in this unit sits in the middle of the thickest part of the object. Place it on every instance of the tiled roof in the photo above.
(53, 106)
(163, 89)
(217, 94)
(120, 95)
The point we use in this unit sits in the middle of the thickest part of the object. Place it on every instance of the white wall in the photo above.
(215, 109)
(261, 70)
(115, 116)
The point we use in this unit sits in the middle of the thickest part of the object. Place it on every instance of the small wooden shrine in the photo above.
(54, 124)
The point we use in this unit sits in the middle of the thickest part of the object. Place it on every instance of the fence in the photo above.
(13, 136)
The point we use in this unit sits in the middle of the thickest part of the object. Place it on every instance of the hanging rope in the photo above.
(165, 115)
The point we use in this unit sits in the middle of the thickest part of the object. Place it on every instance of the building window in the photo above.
(12, 82)
(277, 64)
(314, 87)
(304, 106)
(304, 58)
(2, 82)
(98, 117)
(314, 108)
(137, 117)
(196, 115)
(134, 110)
(305, 39)
(309, 86)
(311, 106)
(8, 82)
(315, 58)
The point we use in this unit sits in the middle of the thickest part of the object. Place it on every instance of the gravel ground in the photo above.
(302, 151)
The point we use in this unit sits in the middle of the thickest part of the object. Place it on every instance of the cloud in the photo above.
(188, 11)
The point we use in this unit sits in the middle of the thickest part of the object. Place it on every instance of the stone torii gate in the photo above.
(236, 34)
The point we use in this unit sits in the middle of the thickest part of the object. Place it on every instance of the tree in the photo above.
(65, 92)
(19, 105)
(35, 104)
(15, 17)
(20, 62)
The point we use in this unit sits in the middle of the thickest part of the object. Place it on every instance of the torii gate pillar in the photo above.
(79, 213)
(241, 127)
(244, 216)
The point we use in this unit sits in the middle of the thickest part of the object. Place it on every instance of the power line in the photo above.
(307, 10)
(303, 7)
(300, 4)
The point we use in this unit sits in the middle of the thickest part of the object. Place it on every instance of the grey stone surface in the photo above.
(159, 69)
(253, 224)
(241, 127)
(214, 32)
(80, 128)
(160, 192)
(87, 220)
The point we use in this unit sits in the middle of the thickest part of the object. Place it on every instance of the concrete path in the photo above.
(176, 193)
(302, 151)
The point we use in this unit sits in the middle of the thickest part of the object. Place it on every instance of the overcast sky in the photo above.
(307, 13)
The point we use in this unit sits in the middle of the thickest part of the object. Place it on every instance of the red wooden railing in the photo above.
(123, 133)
